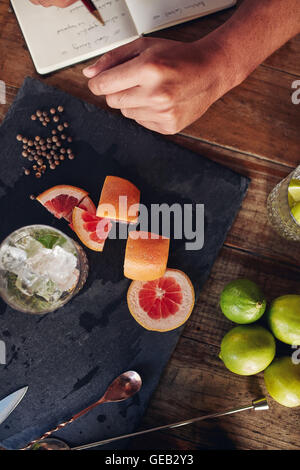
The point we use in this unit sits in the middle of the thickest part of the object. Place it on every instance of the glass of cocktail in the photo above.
(284, 206)
(41, 269)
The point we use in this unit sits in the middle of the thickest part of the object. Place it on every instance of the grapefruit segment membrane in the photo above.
(86, 204)
(60, 200)
(91, 230)
(162, 304)
(146, 256)
(119, 200)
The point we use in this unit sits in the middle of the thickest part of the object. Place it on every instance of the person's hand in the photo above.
(163, 85)
(53, 3)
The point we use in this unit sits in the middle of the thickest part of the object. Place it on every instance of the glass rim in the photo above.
(68, 297)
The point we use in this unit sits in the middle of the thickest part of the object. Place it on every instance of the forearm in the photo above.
(254, 32)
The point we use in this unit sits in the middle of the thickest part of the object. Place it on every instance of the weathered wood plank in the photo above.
(251, 230)
(263, 120)
(196, 382)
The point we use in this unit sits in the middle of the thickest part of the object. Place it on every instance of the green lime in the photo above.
(284, 319)
(242, 301)
(248, 349)
(282, 379)
(295, 210)
(294, 190)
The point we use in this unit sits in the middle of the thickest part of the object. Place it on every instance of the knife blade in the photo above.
(9, 403)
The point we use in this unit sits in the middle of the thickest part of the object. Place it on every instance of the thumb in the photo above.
(116, 57)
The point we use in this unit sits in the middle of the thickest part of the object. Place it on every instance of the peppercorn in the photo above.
(32, 197)
(66, 124)
(52, 166)
(71, 156)
(63, 136)
(39, 113)
(60, 109)
(55, 118)
(70, 139)
(30, 158)
(19, 137)
(45, 113)
(54, 132)
(57, 162)
(38, 174)
(25, 154)
(24, 140)
(30, 143)
(62, 157)
(60, 128)
(27, 172)
(33, 117)
(52, 110)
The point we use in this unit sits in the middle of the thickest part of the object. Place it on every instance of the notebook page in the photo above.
(152, 15)
(59, 37)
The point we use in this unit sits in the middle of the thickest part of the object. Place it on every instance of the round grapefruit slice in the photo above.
(119, 200)
(60, 200)
(146, 256)
(163, 304)
(91, 230)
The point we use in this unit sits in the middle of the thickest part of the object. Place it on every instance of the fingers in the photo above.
(132, 98)
(115, 57)
(119, 78)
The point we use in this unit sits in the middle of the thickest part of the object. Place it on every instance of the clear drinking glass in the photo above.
(279, 208)
(41, 269)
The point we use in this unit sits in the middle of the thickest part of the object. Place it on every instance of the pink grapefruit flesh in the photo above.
(60, 200)
(91, 230)
(163, 304)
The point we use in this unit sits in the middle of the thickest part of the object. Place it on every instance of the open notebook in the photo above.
(58, 37)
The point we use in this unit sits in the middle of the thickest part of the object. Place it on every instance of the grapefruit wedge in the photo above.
(163, 304)
(86, 204)
(60, 200)
(91, 230)
(146, 256)
(119, 200)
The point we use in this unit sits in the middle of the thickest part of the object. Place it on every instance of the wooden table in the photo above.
(255, 130)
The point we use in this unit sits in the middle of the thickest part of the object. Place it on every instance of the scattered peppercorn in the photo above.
(52, 110)
(71, 156)
(19, 137)
(33, 117)
(27, 172)
(32, 197)
(38, 174)
(60, 128)
(60, 109)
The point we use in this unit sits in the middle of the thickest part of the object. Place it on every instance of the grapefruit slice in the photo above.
(91, 230)
(146, 256)
(60, 200)
(163, 304)
(119, 200)
(86, 204)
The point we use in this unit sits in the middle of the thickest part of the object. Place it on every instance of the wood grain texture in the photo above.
(254, 130)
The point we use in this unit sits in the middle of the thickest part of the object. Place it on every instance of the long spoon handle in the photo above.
(65, 423)
(259, 404)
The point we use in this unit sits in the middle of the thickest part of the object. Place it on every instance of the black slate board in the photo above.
(69, 357)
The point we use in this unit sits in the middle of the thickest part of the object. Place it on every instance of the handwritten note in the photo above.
(59, 37)
(150, 15)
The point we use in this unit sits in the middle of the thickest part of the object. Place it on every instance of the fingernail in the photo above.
(89, 71)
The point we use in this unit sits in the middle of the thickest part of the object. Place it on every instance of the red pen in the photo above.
(93, 10)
